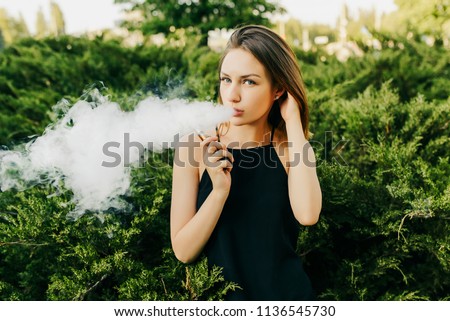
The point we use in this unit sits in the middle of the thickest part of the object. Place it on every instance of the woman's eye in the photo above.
(225, 79)
(249, 82)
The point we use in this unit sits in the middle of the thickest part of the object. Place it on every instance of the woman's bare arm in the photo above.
(190, 230)
(304, 189)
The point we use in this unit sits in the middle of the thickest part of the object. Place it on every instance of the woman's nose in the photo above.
(233, 94)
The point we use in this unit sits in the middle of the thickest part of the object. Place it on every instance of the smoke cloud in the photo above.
(73, 151)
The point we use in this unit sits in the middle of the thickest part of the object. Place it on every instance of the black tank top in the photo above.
(256, 235)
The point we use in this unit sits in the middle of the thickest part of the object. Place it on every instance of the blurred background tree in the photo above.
(58, 24)
(296, 32)
(2, 41)
(20, 27)
(5, 26)
(198, 17)
(11, 28)
(293, 31)
(41, 24)
(366, 22)
(422, 16)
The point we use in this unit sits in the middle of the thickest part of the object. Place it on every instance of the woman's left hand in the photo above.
(289, 109)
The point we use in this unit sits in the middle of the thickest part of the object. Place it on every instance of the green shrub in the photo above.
(412, 67)
(383, 234)
(106, 256)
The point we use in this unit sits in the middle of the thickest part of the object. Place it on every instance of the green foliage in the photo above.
(107, 256)
(381, 128)
(384, 226)
(412, 67)
(35, 75)
(202, 76)
(423, 16)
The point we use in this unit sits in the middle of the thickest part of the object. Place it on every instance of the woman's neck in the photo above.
(247, 136)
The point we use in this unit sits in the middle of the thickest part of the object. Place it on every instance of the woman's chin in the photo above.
(235, 121)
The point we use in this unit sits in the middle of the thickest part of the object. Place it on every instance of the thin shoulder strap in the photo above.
(272, 134)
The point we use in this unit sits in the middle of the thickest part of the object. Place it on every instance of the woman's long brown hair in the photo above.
(281, 64)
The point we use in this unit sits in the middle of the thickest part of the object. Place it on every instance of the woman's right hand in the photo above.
(218, 161)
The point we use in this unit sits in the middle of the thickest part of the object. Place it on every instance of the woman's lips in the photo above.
(237, 112)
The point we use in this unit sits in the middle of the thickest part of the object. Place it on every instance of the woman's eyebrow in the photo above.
(243, 76)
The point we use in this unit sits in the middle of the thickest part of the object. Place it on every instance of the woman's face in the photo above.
(246, 87)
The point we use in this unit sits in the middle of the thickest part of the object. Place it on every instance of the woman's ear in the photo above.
(280, 93)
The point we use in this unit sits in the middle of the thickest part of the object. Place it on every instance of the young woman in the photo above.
(239, 195)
